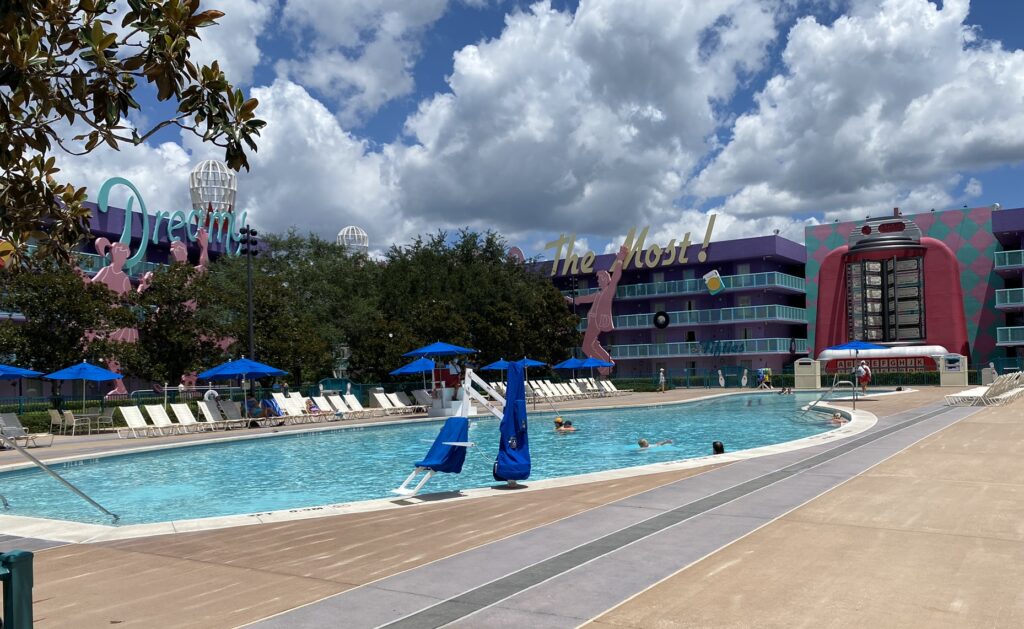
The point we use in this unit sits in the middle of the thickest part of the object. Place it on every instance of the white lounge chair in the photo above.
(422, 397)
(403, 397)
(328, 409)
(209, 411)
(399, 406)
(357, 407)
(383, 402)
(136, 423)
(160, 419)
(185, 418)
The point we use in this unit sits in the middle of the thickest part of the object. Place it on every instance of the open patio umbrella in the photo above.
(9, 372)
(570, 363)
(242, 368)
(526, 363)
(594, 362)
(85, 372)
(499, 365)
(420, 365)
(440, 349)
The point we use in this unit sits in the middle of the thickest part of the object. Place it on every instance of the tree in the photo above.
(67, 63)
(61, 314)
(178, 332)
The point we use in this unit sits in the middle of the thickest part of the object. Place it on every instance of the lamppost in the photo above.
(574, 283)
(248, 244)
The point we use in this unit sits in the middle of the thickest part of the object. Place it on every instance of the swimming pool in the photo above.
(362, 463)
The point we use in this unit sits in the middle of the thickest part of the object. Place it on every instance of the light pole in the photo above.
(248, 243)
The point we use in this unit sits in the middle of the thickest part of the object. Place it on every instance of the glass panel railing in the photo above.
(721, 315)
(1010, 336)
(683, 287)
(92, 263)
(1010, 297)
(1009, 259)
(710, 348)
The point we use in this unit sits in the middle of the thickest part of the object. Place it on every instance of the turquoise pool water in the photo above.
(345, 465)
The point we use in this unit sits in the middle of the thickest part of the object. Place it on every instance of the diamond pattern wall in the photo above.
(968, 232)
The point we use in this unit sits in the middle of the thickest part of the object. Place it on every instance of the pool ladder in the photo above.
(4, 502)
(836, 383)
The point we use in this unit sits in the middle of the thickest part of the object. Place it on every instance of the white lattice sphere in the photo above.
(212, 185)
(354, 239)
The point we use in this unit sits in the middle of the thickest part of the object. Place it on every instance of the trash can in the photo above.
(806, 374)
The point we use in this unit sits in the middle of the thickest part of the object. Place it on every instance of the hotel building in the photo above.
(758, 319)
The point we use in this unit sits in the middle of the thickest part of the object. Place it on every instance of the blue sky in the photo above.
(591, 117)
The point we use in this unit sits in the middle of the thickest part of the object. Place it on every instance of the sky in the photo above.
(591, 117)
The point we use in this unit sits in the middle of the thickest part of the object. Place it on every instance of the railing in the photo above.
(696, 286)
(1009, 297)
(710, 348)
(1010, 335)
(1009, 259)
(719, 315)
(92, 263)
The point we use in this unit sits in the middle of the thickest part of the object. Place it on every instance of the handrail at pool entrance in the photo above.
(468, 390)
(61, 479)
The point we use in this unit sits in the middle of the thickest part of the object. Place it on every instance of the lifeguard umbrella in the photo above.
(420, 365)
(85, 372)
(855, 347)
(526, 363)
(10, 372)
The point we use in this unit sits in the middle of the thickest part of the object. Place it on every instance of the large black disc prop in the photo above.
(661, 319)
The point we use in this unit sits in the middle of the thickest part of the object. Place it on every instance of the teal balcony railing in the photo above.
(1009, 260)
(1010, 298)
(708, 348)
(1010, 336)
(772, 279)
(741, 314)
(91, 263)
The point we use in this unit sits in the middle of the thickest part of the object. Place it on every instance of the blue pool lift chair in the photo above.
(447, 454)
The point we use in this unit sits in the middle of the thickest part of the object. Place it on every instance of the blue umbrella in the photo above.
(8, 372)
(856, 346)
(84, 371)
(440, 349)
(420, 365)
(498, 365)
(242, 368)
(595, 362)
(529, 362)
(570, 363)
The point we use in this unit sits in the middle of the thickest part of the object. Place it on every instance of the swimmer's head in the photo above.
(567, 424)
(642, 443)
(558, 421)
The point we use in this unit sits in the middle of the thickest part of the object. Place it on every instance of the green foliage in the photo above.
(61, 312)
(313, 299)
(177, 330)
(66, 63)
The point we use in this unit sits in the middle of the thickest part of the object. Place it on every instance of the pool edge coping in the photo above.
(68, 531)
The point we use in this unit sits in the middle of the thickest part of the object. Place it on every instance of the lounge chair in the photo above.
(185, 418)
(357, 407)
(341, 410)
(11, 428)
(323, 413)
(233, 413)
(136, 423)
(615, 390)
(296, 411)
(403, 397)
(328, 409)
(384, 403)
(158, 415)
(423, 398)
(398, 405)
(209, 411)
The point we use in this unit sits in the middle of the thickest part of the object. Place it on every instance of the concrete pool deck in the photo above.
(231, 577)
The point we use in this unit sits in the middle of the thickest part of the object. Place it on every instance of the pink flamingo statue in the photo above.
(599, 319)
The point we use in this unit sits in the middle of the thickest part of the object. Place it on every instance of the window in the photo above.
(659, 276)
(583, 284)
(691, 336)
(689, 274)
(743, 301)
(748, 333)
(884, 300)
(742, 268)
(689, 304)
(659, 306)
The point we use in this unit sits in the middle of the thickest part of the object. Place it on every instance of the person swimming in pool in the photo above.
(644, 444)
(563, 425)
(838, 419)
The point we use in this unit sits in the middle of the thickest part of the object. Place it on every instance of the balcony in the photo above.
(1009, 261)
(732, 283)
(1010, 299)
(91, 263)
(745, 314)
(1011, 336)
(738, 347)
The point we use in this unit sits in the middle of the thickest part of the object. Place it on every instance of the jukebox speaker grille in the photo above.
(884, 300)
